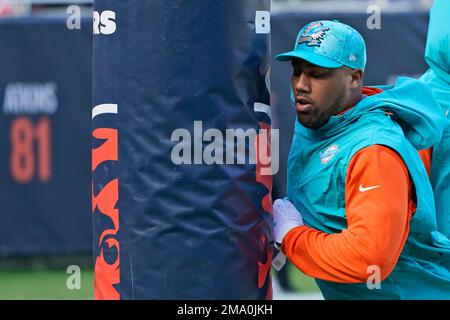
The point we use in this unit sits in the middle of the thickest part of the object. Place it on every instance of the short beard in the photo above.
(324, 117)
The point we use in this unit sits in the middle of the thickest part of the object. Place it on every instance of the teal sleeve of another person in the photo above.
(437, 55)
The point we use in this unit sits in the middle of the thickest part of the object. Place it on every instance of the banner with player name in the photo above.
(45, 100)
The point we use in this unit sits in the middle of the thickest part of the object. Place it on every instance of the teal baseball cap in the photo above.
(329, 44)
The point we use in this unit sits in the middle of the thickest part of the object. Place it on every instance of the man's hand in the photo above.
(285, 218)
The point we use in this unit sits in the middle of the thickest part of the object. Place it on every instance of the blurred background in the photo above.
(45, 124)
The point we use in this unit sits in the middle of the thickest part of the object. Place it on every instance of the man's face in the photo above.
(319, 92)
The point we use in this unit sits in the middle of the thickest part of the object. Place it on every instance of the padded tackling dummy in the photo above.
(177, 213)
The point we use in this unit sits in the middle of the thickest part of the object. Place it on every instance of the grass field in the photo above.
(45, 284)
(51, 284)
(301, 282)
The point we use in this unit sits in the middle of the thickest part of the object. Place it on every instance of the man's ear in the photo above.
(356, 80)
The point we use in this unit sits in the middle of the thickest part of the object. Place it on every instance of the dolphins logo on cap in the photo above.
(313, 34)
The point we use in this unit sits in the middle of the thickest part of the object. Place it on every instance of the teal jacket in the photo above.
(317, 188)
(438, 79)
